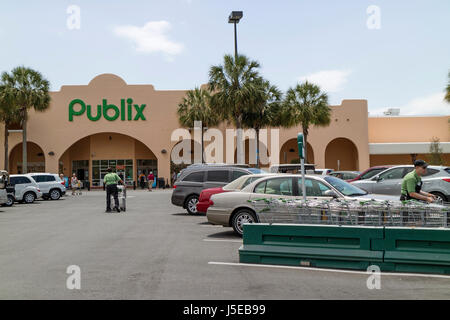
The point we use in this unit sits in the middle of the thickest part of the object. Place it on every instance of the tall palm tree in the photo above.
(447, 94)
(8, 115)
(307, 105)
(264, 111)
(233, 85)
(195, 106)
(27, 89)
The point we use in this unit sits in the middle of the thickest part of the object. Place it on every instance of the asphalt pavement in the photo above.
(156, 251)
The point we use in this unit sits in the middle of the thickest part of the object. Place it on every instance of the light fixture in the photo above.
(163, 151)
(51, 153)
(235, 16)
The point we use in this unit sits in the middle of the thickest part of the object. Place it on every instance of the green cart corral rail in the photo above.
(348, 247)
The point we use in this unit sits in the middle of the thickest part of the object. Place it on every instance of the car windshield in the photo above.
(345, 188)
(371, 173)
(237, 183)
(256, 170)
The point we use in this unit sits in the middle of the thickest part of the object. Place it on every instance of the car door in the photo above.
(273, 188)
(389, 182)
(19, 186)
(42, 182)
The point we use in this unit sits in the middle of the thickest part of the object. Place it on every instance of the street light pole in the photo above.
(234, 18)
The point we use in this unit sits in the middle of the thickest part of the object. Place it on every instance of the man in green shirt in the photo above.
(412, 184)
(110, 181)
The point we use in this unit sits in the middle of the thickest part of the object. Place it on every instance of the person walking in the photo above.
(412, 184)
(110, 181)
(151, 179)
(174, 177)
(74, 183)
(142, 181)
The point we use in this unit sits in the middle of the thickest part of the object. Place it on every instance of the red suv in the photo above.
(369, 173)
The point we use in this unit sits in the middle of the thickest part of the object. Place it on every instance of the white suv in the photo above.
(25, 188)
(51, 185)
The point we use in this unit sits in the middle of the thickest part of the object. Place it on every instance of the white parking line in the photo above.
(328, 270)
(211, 226)
(223, 240)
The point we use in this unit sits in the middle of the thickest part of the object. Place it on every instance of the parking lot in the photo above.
(156, 251)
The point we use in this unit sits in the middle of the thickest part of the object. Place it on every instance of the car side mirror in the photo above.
(330, 193)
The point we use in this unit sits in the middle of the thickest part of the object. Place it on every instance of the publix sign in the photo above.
(126, 111)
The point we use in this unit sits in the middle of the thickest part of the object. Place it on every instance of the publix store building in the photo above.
(108, 122)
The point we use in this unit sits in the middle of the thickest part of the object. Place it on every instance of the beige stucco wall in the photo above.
(408, 129)
(53, 132)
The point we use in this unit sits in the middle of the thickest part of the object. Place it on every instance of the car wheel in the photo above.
(440, 197)
(29, 197)
(191, 204)
(55, 194)
(241, 217)
(10, 201)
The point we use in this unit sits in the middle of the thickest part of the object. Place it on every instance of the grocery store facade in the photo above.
(108, 122)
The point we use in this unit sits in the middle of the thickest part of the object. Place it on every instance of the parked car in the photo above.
(4, 178)
(190, 183)
(234, 208)
(291, 168)
(345, 175)
(435, 181)
(238, 184)
(323, 172)
(369, 173)
(51, 185)
(25, 188)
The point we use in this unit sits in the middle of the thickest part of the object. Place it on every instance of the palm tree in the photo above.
(8, 115)
(447, 94)
(264, 111)
(233, 85)
(307, 105)
(26, 89)
(195, 106)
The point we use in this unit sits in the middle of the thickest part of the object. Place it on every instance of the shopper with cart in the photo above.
(74, 183)
(111, 180)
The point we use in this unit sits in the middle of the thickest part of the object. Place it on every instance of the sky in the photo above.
(395, 54)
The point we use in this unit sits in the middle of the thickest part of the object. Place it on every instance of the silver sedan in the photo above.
(236, 208)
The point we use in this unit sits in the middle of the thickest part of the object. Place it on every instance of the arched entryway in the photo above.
(289, 152)
(90, 157)
(341, 154)
(35, 158)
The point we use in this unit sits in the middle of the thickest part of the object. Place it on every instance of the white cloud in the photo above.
(432, 104)
(328, 80)
(150, 38)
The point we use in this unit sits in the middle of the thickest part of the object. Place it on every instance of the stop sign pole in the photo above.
(301, 154)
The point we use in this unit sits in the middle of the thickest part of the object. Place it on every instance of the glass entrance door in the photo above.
(124, 168)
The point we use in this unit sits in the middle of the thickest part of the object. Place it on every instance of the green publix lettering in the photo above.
(125, 112)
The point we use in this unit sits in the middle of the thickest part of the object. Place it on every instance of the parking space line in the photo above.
(223, 240)
(421, 275)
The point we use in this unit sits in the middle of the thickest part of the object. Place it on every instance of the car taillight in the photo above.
(174, 186)
(63, 183)
(446, 179)
(211, 203)
(38, 190)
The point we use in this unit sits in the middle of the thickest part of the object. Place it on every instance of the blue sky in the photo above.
(171, 44)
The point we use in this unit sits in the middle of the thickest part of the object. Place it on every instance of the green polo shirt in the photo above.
(111, 178)
(409, 182)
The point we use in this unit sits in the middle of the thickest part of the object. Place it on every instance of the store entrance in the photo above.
(123, 167)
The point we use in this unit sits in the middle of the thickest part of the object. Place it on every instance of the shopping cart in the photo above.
(122, 197)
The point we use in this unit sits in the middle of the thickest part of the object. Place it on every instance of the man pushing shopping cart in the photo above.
(111, 180)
